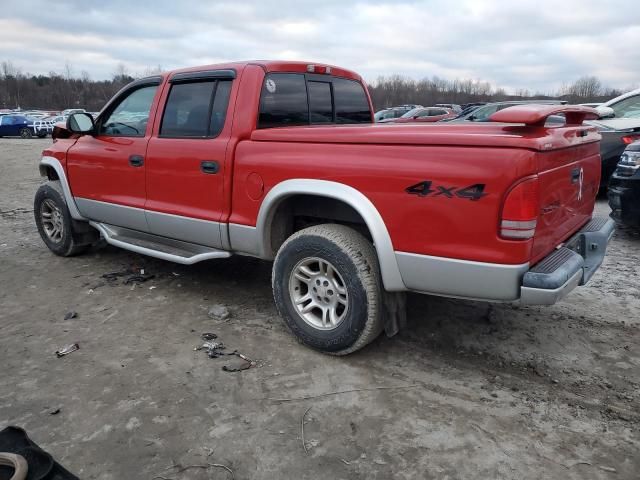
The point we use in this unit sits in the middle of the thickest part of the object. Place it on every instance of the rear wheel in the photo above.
(25, 133)
(54, 222)
(326, 286)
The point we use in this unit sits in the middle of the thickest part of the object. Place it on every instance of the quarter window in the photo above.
(195, 109)
(130, 116)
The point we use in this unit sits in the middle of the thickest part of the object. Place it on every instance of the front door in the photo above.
(107, 169)
(186, 159)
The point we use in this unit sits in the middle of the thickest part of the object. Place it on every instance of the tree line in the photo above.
(398, 90)
(57, 91)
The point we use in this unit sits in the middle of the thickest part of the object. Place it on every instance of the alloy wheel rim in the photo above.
(318, 293)
(52, 221)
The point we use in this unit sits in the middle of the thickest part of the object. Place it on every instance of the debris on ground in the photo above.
(219, 312)
(70, 315)
(216, 349)
(246, 364)
(113, 276)
(55, 411)
(139, 278)
(66, 350)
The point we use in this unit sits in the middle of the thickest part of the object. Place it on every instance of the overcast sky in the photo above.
(514, 44)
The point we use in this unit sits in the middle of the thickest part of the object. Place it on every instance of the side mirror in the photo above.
(471, 118)
(80, 123)
(605, 112)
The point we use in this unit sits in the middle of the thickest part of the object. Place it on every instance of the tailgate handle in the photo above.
(209, 166)
(575, 175)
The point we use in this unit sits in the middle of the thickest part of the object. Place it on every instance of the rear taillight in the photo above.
(520, 211)
(629, 139)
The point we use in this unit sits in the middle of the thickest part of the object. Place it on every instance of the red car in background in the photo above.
(423, 114)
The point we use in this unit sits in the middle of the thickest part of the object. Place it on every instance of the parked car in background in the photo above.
(393, 112)
(621, 112)
(42, 127)
(619, 125)
(18, 126)
(472, 104)
(454, 107)
(422, 115)
(69, 111)
(624, 187)
(482, 113)
(58, 119)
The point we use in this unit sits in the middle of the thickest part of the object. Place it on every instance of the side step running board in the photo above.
(157, 246)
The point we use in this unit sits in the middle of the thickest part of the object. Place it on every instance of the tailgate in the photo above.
(568, 184)
(568, 170)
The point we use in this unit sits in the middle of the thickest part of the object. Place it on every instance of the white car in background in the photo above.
(619, 125)
(621, 112)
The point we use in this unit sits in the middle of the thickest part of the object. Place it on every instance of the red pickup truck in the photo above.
(282, 161)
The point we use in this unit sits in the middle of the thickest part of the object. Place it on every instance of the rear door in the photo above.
(186, 160)
(107, 169)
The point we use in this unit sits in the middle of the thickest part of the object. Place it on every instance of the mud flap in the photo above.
(395, 312)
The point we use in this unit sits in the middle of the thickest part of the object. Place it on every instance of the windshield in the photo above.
(627, 108)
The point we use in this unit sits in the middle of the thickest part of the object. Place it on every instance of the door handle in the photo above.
(209, 166)
(136, 160)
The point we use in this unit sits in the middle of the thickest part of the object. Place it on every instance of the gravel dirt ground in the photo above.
(466, 391)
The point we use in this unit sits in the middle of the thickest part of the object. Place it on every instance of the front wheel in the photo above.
(25, 133)
(326, 286)
(54, 221)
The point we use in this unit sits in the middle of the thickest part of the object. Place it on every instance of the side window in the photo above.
(423, 113)
(436, 112)
(283, 102)
(195, 109)
(320, 107)
(351, 102)
(130, 116)
(187, 111)
(219, 108)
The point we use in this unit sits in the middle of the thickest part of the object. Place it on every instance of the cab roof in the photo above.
(274, 66)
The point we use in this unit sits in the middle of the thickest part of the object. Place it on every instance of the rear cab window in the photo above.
(294, 99)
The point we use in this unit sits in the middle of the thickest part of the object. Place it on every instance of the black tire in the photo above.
(42, 135)
(26, 133)
(354, 259)
(50, 195)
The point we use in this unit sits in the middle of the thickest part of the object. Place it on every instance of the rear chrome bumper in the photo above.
(569, 266)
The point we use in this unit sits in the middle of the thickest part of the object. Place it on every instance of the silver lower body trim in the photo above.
(194, 230)
(113, 214)
(244, 239)
(461, 278)
(186, 229)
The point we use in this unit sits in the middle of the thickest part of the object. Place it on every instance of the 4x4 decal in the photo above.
(423, 189)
